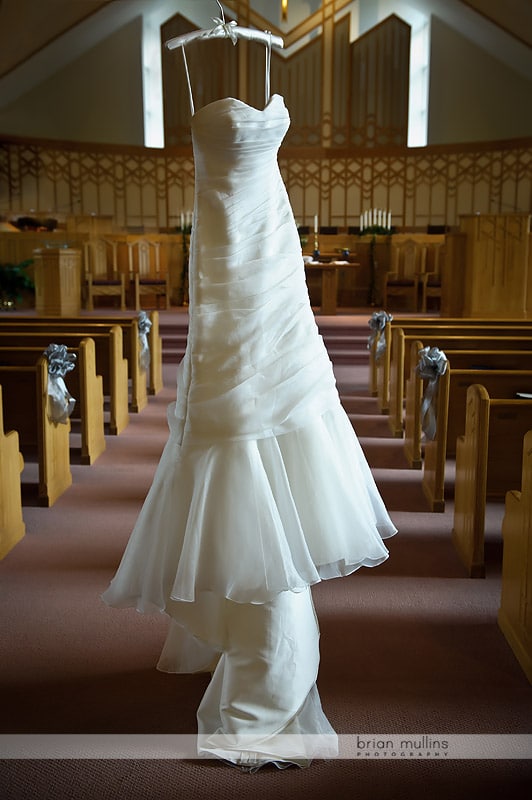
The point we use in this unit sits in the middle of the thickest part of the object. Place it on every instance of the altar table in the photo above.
(329, 282)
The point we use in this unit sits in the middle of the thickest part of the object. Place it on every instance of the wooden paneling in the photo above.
(337, 92)
(496, 265)
(379, 78)
(220, 80)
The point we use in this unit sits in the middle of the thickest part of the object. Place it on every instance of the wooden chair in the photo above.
(431, 277)
(145, 272)
(403, 281)
(102, 278)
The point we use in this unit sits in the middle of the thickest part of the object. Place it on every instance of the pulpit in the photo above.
(57, 281)
(488, 267)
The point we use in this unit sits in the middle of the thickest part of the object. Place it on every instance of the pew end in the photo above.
(25, 401)
(393, 383)
(433, 480)
(414, 398)
(92, 404)
(155, 380)
(486, 467)
(382, 365)
(12, 526)
(514, 617)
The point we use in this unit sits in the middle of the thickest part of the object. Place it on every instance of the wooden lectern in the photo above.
(57, 281)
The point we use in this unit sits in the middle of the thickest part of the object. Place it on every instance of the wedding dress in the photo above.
(262, 489)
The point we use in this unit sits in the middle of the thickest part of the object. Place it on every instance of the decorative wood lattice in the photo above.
(141, 187)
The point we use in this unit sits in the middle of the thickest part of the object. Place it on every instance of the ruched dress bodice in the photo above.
(255, 365)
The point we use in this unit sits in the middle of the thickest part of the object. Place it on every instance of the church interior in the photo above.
(408, 166)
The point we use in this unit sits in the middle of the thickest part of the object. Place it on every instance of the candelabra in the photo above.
(375, 222)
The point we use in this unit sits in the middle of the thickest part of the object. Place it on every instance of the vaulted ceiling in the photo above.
(27, 26)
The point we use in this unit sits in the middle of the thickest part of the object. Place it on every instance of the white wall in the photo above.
(473, 96)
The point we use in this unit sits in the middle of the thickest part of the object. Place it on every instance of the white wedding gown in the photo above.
(262, 489)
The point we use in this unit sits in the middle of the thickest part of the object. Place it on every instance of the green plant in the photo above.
(14, 280)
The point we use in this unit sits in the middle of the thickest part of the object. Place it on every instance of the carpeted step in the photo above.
(346, 343)
(400, 488)
(382, 453)
(359, 404)
(374, 425)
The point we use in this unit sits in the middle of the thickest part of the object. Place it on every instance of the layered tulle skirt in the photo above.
(247, 519)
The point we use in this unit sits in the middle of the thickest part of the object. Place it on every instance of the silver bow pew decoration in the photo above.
(144, 325)
(432, 364)
(60, 401)
(377, 323)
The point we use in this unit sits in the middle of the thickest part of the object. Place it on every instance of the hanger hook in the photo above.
(221, 11)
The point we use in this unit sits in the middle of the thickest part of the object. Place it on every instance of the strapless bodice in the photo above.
(229, 135)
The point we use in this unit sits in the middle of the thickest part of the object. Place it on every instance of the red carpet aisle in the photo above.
(411, 647)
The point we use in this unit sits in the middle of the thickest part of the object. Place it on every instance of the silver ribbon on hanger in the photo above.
(223, 28)
(432, 363)
(60, 401)
(144, 325)
(377, 323)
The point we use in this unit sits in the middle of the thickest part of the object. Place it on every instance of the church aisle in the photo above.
(410, 648)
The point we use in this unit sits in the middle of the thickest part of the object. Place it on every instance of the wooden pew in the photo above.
(155, 370)
(130, 341)
(83, 384)
(469, 338)
(379, 368)
(155, 373)
(515, 612)
(419, 327)
(12, 527)
(110, 363)
(453, 387)
(467, 360)
(486, 467)
(25, 401)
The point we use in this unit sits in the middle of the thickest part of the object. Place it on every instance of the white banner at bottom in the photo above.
(363, 746)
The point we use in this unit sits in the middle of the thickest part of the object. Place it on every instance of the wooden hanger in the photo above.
(225, 30)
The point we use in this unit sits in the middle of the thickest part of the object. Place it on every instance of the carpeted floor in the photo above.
(412, 647)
